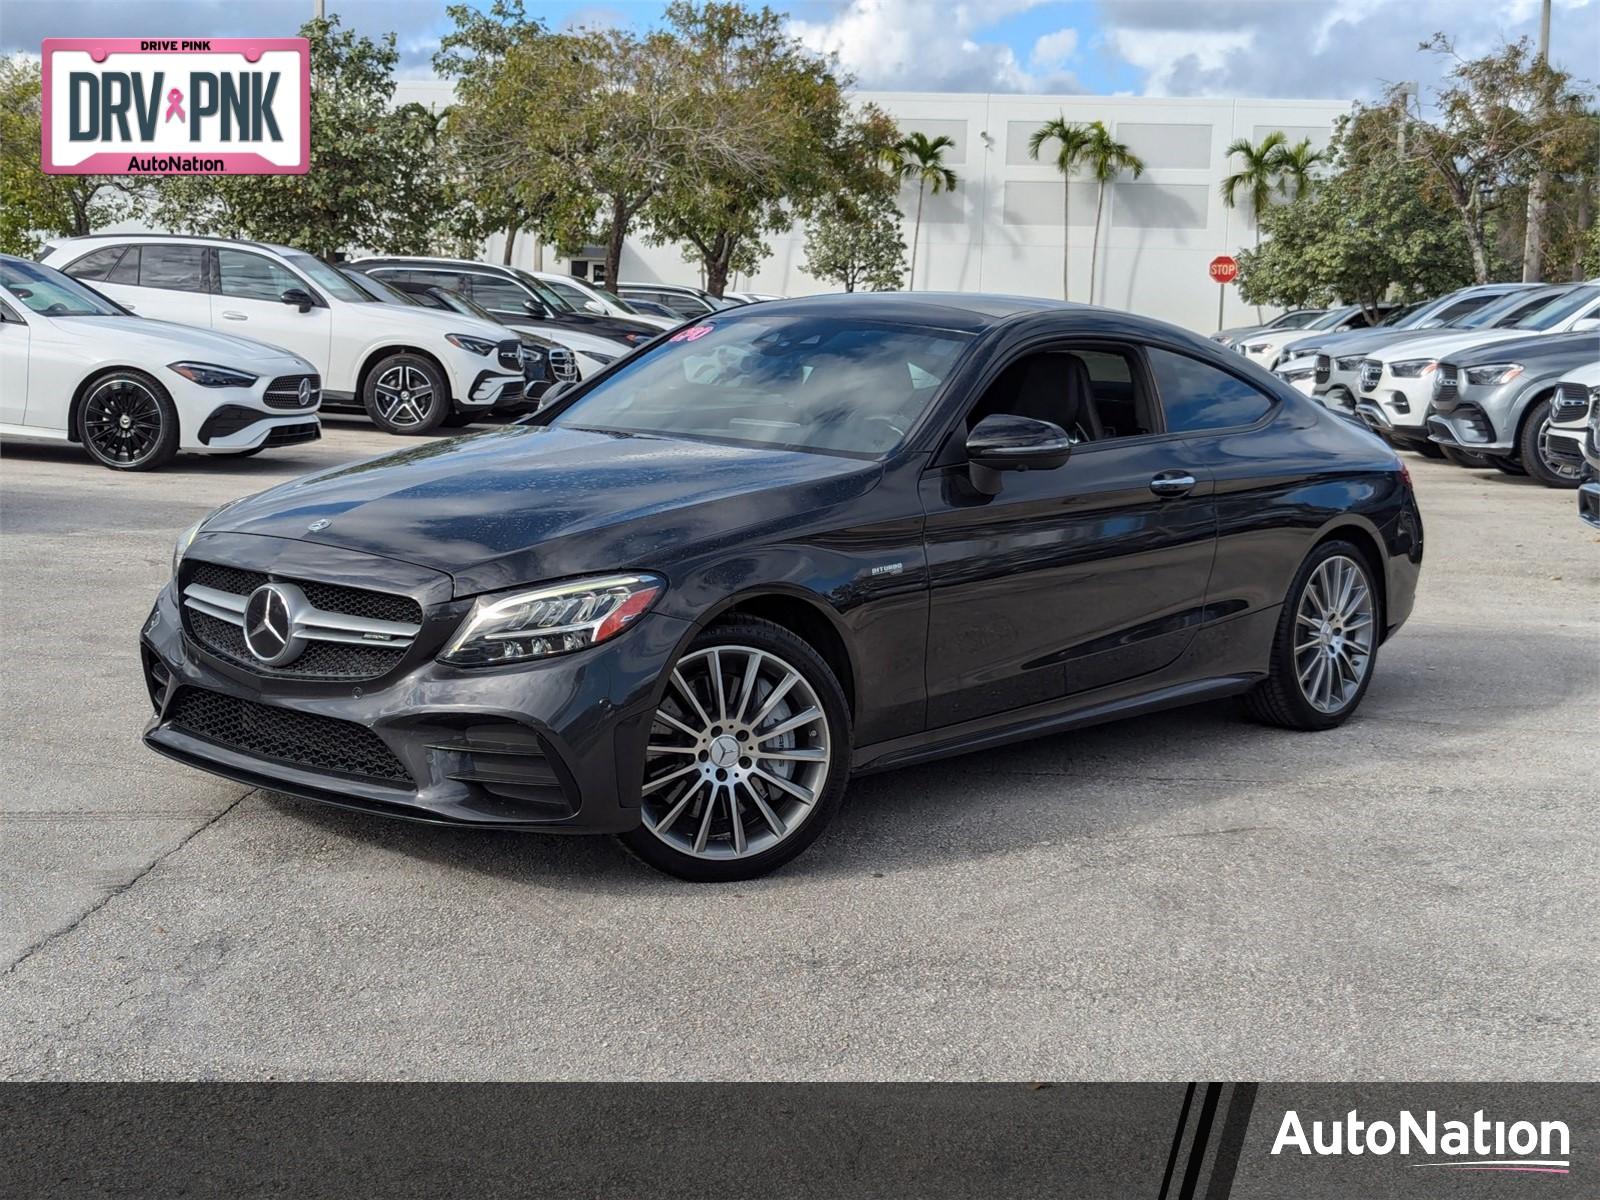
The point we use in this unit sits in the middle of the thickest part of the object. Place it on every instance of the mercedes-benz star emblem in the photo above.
(269, 624)
(305, 393)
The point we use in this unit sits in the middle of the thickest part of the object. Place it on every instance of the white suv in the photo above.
(411, 370)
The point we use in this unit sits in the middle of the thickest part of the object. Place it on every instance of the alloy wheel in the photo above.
(738, 755)
(122, 422)
(1333, 634)
(403, 395)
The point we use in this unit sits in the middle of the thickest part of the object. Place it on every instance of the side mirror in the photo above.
(1004, 442)
(533, 308)
(1586, 325)
(298, 297)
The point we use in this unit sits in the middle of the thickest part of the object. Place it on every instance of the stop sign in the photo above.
(1223, 269)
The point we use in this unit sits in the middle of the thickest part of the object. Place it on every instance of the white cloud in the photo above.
(1054, 51)
(917, 45)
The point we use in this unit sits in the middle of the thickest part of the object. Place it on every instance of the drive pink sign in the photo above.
(171, 106)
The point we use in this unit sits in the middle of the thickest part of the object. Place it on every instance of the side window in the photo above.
(1452, 313)
(499, 295)
(177, 268)
(127, 270)
(96, 267)
(252, 277)
(1197, 396)
(1093, 394)
(684, 306)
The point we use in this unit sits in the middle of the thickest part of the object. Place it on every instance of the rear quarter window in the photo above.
(1195, 396)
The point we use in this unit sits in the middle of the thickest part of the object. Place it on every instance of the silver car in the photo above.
(1496, 400)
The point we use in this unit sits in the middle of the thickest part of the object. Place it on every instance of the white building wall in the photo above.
(1000, 230)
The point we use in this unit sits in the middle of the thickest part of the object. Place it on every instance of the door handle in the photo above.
(1172, 483)
(229, 315)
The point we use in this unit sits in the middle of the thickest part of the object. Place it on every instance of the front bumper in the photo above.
(556, 746)
(1467, 424)
(1589, 503)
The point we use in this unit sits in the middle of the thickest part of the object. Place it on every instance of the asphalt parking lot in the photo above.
(1409, 897)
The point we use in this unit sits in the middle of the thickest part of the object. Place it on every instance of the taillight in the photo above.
(1405, 472)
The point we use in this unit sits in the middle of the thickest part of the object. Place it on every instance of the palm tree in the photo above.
(1072, 142)
(1295, 165)
(1260, 176)
(916, 156)
(1107, 158)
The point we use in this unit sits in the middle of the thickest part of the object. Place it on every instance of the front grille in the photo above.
(286, 736)
(1571, 402)
(284, 392)
(319, 660)
(1446, 384)
(1324, 369)
(563, 366)
(510, 355)
(1371, 372)
(293, 435)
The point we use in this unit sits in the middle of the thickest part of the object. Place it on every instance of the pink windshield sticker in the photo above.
(692, 334)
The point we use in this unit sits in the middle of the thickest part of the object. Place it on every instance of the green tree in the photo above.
(1499, 121)
(1367, 233)
(375, 180)
(34, 205)
(1296, 168)
(857, 242)
(921, 158)
(1106, 158)
(1258, 177)
(1072, 144)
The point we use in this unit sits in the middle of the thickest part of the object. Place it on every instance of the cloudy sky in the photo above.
(1279, 48)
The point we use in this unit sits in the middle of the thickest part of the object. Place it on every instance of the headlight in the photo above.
(1412, 368)
(1258, 347)
(1494, 373)
(1226, 341)
(546, 621)
(1297, 373)
(532, 354)
(211, 375)
(1348, 364)
(466, 341)
(188, 535)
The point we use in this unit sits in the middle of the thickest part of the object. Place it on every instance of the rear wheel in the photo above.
(1326, 643)
(1466, 458)
(1535, 446)
(127, 422)
(406, 394)
(747, 758)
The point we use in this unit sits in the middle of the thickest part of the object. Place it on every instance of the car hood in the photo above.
(1444, 343)
(525, 503)
(418, 320)
(1539, 350)
(137, 336)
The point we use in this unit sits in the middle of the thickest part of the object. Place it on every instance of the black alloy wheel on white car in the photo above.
(748, 755)
(406, 394)
(127, 422)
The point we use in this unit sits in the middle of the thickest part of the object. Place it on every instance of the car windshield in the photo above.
(612, 298)
(1297, 320)
(1397, 318)
(48, 292)
(806, 383)
(327, 278)
(545, 292)
(1515, 303)
(1332, 318)
(1547, 316)
(377, 289)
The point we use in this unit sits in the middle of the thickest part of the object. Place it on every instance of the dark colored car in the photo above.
(514, 296)
(789, 542)
(544, 363)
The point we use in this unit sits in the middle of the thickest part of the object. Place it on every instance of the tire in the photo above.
(1285, 697)
(1508, 466)
(1429, 449)
(406, 394)
(1466, 458)
(774, 824)
(127, 422)
(1531, 442)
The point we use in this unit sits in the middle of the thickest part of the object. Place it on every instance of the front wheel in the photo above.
(1326, 643)
(127, 422)
(1535, 447)
(406, 394)
(747, 758)
(1429, 449)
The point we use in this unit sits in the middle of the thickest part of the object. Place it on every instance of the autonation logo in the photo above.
(1476, 1145)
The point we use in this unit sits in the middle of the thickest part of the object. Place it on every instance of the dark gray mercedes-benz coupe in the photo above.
(791, 542)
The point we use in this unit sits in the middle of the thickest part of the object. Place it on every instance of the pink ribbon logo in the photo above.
(175, 105)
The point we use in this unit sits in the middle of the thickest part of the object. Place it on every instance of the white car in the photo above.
(1299, 373)
(410, 369)
(74, 367)
(1396, 381)
(585, 297)
(1573, 435)
(1267, 346)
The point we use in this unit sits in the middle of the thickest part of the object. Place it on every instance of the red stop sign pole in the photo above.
(1224, 270)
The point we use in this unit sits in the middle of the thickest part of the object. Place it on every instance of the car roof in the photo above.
(437, 261)
(207, 239)
(947, 310)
